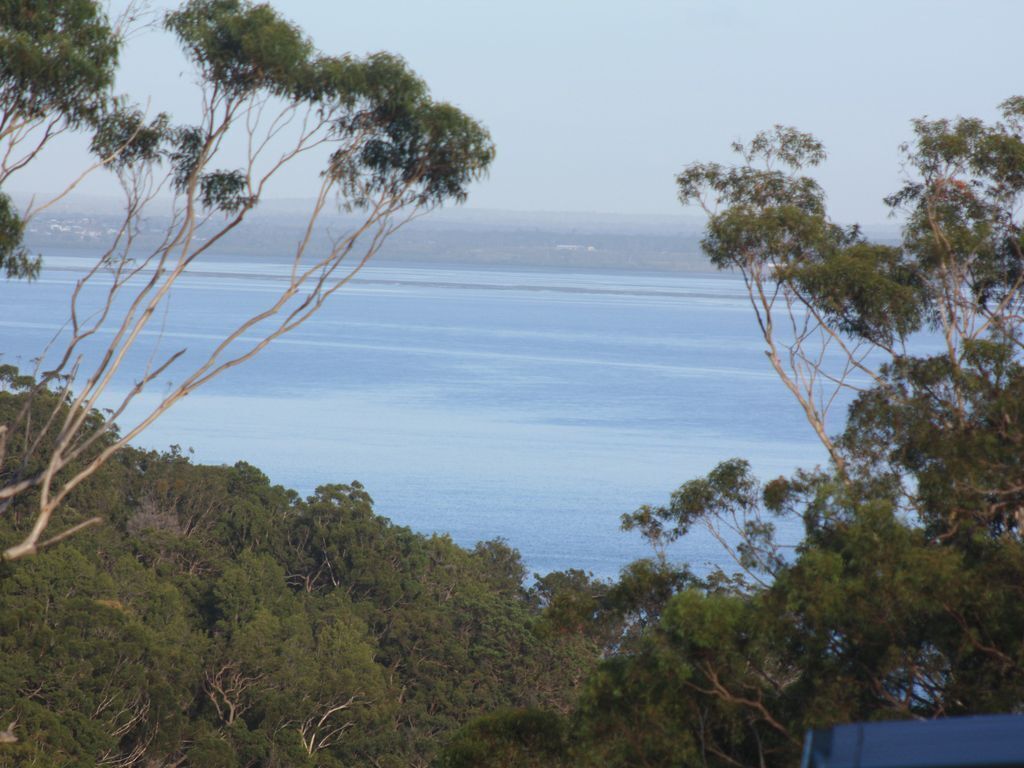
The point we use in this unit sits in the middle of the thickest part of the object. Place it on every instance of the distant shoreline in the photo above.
(460, 237)
(434, 253)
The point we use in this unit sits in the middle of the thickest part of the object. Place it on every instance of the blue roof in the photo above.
(953, 742)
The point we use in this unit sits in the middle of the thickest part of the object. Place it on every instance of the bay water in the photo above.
(536, 405)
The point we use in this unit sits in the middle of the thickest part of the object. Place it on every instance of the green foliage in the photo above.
(86, 672)
(57, 65)
(124, 139)
(956, 431)
(225, 621)
(961, 208)
(57, 59)
(239, 47)
(410, 148)
(15, 260)
(524, 738)
(865, 290)
(770, 217)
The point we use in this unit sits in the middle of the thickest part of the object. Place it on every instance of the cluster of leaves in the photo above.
(15, 260)
(408, 147)
(57, 65)
(55, 57)
(223, 621)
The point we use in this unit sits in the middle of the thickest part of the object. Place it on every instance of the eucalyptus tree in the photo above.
(836, 311)
(902, 600)
(903, 597)
(57, 66)
(824, 297)
(389, 151)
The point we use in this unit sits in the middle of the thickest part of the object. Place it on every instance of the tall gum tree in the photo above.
(391, 153)
(902, 600)
(836, 311)
(57, 66)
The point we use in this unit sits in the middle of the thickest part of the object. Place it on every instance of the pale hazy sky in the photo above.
(595, 105)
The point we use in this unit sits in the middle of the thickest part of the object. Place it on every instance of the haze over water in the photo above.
(537, 406)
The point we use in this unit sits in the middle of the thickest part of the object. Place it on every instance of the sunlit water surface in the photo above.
(537, 406)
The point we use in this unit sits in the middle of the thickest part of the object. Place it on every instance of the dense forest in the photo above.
(159, 613)
(217, 620)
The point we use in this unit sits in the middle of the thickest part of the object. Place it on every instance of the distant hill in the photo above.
(460, 236)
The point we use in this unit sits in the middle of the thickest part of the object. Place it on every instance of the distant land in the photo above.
(456, 236)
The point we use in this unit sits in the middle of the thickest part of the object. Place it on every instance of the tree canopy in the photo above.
(218, 620)
(902, 599)
(389, 151)
(57, 67)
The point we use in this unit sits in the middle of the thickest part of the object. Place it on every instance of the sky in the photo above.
(595, 105)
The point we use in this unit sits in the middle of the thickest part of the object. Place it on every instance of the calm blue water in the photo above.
(533, 405)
